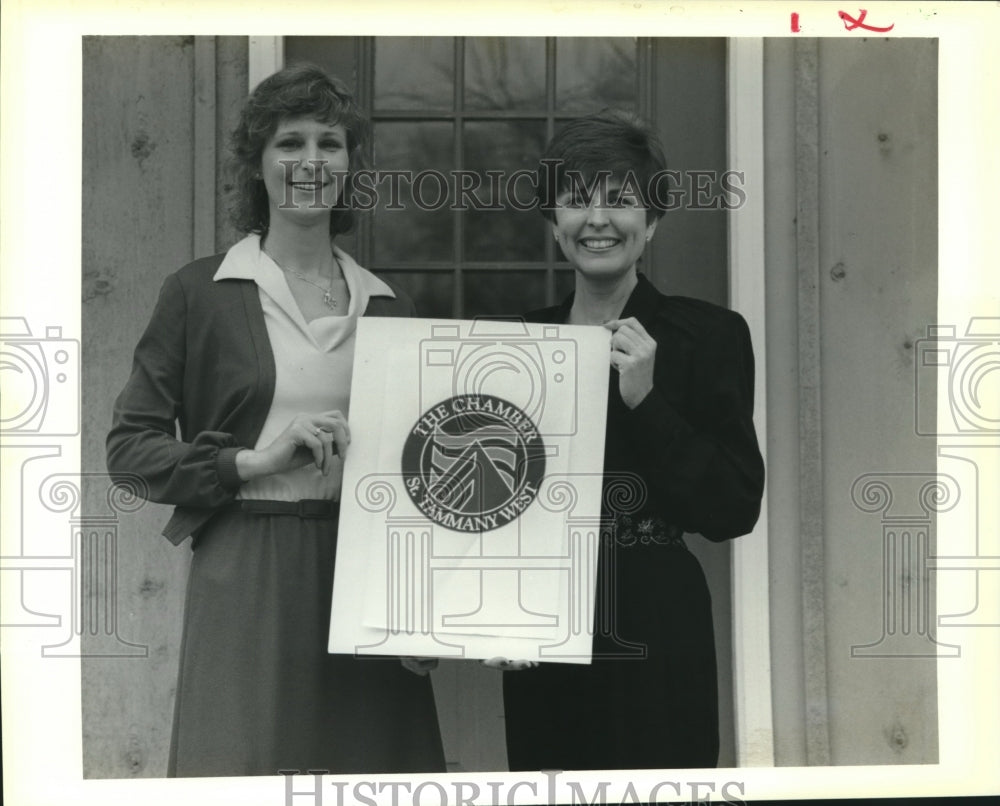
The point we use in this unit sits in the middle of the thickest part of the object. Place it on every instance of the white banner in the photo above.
(471, 502)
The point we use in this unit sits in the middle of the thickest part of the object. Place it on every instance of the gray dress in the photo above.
(257, 692)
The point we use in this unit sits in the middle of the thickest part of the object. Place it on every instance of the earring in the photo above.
(556, 236)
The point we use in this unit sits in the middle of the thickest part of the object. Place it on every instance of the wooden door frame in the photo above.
(750, 569)
(754, 727)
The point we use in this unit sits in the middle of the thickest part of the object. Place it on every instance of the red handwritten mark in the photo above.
(795, 23)
(850, 23)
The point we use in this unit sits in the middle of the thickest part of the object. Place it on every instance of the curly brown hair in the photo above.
(301, 90)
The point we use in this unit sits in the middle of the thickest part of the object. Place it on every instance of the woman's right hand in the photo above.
(307, 438)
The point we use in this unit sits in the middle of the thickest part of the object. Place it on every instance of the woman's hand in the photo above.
(633, 352)
(420, 666)
(507, 665)
(308, 438)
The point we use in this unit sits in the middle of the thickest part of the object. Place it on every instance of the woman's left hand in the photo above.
(633, 352)
(508, 665)
(420, 666)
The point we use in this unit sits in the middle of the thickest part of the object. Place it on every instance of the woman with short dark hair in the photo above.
(250, 354)
(681, 456)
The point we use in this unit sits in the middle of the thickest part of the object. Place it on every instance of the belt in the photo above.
(645, 529)
(304, 508)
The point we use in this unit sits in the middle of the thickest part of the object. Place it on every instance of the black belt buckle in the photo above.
(646, 529)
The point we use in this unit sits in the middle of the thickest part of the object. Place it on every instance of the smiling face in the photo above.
(304, 166)
(602, 239)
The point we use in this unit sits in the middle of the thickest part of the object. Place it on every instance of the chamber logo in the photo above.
(473, 462)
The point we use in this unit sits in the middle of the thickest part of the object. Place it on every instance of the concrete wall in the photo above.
(851, 285)
(152, 110)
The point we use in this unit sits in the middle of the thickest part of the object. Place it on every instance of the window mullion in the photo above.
(458, 235)
(550, 127)
(365, 60)
(645, 85)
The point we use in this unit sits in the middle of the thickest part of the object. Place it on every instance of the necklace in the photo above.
(328, 299)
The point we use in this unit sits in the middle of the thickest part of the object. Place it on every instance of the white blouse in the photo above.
(313, 361)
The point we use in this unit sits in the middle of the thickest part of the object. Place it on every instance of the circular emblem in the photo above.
(473, 462)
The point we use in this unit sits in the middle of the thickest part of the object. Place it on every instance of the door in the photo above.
(455, 120)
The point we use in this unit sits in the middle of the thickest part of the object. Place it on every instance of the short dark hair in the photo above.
(302, 90)
(613, 143)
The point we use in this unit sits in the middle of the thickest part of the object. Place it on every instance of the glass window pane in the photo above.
(593, 73)
(565, 283)
(335, 54)
(417, 231)
(414, 72)
(505, 73)
(503, 293)
(431, 291)
(503, 148)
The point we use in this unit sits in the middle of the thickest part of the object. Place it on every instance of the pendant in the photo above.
(331, 303)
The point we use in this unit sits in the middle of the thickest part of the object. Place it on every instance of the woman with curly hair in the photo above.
(236, 413)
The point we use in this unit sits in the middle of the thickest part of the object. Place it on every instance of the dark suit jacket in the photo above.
(204, 364)
(692, 439)
(649, 699)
